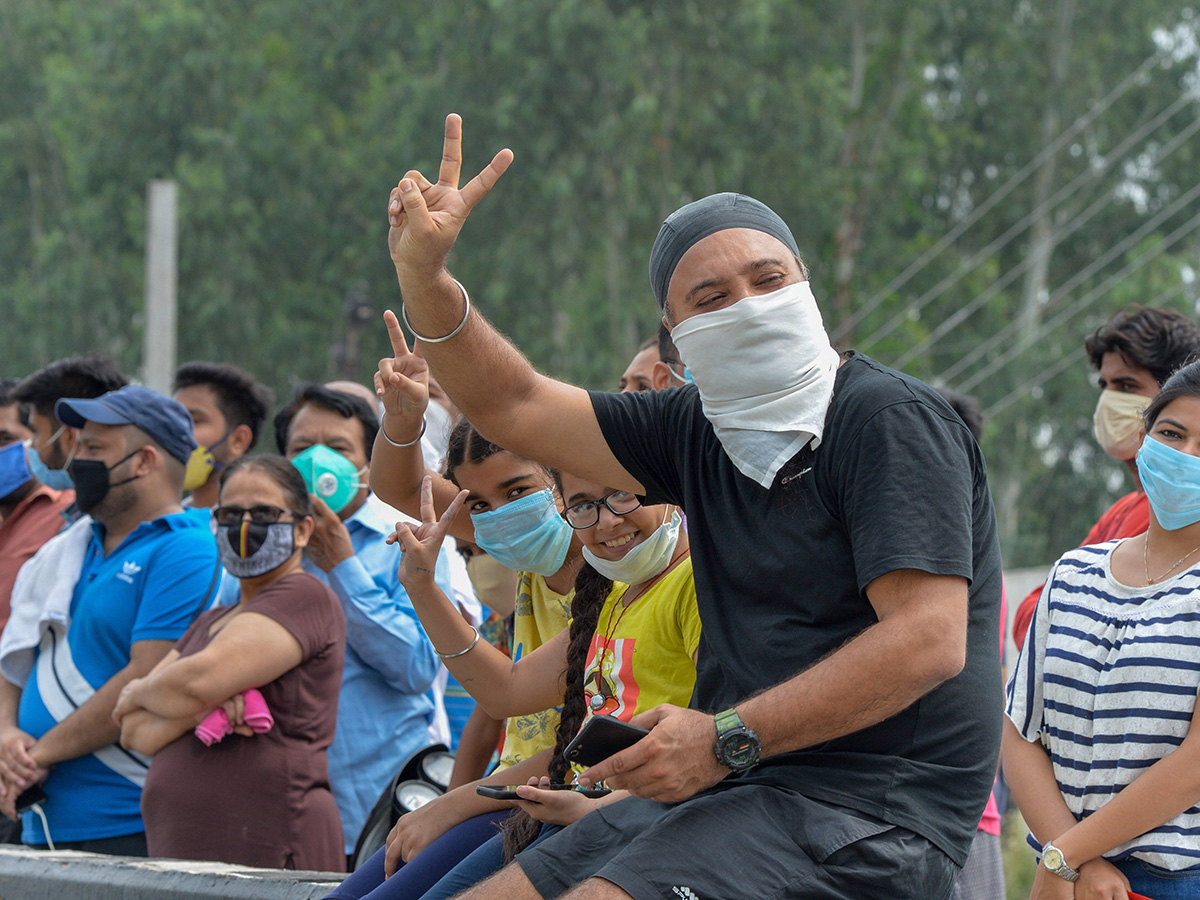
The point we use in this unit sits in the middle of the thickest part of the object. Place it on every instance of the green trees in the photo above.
(876, 130)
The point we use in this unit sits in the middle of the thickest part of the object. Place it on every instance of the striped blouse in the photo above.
(1107, 682)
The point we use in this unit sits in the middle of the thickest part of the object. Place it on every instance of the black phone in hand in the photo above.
(600, 738)
(30, 797)
(509, 791)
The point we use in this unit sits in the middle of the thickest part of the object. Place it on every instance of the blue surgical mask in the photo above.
(1171, 480)
(58, 479)
(14, 469)
(527, 535)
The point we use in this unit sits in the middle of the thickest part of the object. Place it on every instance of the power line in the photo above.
(1055, 370)
(1086, 272)
(1065, 193)
(1003, 191)
(1064, 362)
(1002, 282)
(1087, 299)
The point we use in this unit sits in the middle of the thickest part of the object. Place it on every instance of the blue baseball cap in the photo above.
(166, 421)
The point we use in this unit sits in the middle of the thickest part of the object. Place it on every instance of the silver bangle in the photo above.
(415, 440)
(427, 340)
(470, 647)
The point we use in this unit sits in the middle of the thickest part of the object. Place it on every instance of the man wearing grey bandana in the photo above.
(844, 729)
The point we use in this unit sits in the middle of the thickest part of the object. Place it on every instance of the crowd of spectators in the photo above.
(777, 559)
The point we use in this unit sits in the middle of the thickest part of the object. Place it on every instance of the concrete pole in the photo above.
(158, 347)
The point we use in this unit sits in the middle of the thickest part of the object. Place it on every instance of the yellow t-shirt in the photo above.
(539, 615)
(647, 649)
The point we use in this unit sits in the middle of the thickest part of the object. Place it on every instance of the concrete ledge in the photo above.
(68, 875)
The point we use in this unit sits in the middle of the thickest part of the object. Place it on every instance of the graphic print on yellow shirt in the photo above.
(539, 615)
(644, 654)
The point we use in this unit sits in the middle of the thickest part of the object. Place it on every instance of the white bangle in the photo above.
(383, 431)
(470, 647)
(427, 340)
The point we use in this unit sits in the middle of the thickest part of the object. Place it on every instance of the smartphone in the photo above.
(509, 791)
(30, 796)
(600, 738)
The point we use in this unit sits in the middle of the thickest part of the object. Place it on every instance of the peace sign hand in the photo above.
(420, 548)
(402, 384)
(425, 218)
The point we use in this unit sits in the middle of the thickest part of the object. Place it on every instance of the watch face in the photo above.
(738, 750)
(1053, 858)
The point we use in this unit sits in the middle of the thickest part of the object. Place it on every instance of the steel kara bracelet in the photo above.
(438, 340)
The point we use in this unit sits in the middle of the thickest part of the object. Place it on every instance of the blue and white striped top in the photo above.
(1107, 682)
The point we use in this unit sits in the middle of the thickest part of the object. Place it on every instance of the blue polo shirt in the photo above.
(149, 588)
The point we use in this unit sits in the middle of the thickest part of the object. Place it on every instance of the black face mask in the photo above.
(91, 480)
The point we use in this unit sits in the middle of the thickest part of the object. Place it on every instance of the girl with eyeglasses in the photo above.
(631, 644)
(260, 678)
(1100, 745)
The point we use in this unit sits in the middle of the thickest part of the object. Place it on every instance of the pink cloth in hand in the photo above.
(256, 714)
(215, 726)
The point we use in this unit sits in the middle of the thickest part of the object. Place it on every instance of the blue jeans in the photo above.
(486, 860)
(1160, 884)
(417, 876)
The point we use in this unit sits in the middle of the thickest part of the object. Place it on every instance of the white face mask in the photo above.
(765, 370)
(648, 559)
(1117, 421)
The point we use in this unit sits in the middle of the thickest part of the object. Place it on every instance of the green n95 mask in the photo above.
(329, 475)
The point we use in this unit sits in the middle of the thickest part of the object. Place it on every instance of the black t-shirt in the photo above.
(896, 483)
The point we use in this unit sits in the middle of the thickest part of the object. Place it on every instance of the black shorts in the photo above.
(751, 840)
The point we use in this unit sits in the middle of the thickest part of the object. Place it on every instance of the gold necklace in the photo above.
(1146, 561)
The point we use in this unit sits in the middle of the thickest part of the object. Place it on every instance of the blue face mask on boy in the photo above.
(14, 468)
(58, 479)
(1171, 480)
(527, 535)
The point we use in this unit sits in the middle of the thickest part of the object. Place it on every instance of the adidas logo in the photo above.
(685, 893)
(128, 570)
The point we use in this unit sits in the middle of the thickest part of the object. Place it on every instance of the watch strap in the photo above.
(1061, 869)
(727, 720)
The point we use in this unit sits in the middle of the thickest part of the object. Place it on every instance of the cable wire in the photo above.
(1001, 192)
(961, 314)
(1064, 362)
(1086, 300)
(1125, 243)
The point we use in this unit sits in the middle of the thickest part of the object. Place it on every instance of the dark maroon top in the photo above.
(263, 800)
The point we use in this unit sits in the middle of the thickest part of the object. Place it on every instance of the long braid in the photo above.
(591, 590)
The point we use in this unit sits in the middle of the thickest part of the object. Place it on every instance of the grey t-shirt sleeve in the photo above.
(905, 492)
(645, 432)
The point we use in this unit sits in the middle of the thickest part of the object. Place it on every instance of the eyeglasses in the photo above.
(586, 514)
(263, 515)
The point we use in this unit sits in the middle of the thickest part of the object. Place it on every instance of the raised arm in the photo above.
(402, 384)
(500, 686)
(487, 377)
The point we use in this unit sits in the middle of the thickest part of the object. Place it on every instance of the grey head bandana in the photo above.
(696, 221)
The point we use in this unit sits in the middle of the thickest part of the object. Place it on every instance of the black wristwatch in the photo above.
(737, 746)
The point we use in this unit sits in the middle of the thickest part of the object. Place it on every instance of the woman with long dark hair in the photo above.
(632, 645)
(1099, 745)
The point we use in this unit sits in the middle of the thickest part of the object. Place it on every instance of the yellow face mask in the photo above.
(200, 465)
(1118, 421)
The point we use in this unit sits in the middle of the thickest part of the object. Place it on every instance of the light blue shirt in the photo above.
(385, 706)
